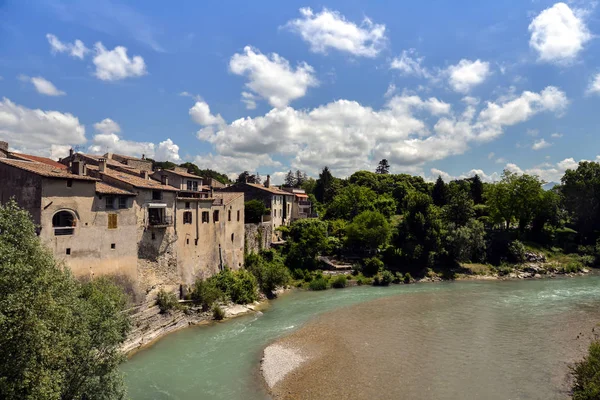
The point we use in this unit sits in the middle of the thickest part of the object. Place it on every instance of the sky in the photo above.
(450, 88)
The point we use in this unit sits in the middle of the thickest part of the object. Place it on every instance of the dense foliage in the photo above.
(59, 338)
(586, 375)
(253, 211)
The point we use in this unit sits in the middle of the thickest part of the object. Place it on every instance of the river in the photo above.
(481, 320)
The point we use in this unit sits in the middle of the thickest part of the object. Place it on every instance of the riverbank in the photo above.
(420, 346)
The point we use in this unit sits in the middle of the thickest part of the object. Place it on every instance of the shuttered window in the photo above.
(112, 221)
(187, 217)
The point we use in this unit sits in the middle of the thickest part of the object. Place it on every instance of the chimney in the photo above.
(77, 168)
(268, 181)
(102, 165)
(164, 179)
(109, 156)
(71, 153)
(144, 174)
(143, 156)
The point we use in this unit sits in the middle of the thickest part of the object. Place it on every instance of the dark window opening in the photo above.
(69, 182)
(68, 251)
(187, 205)
(238, 215)
(232, 237)
(205, 216)
(153, 236)
(110, 202)
(156, 195)
(113, 246)
(63, 223)
(229, 215)
(187, 241)
(122, 202)
(187, 217)
(216, 216)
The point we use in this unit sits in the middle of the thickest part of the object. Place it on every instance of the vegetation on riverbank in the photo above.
(586, 375)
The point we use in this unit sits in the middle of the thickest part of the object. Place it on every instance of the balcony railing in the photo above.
(162, 222)
(304, 203)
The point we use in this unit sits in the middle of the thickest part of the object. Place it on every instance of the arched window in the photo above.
(64, 223)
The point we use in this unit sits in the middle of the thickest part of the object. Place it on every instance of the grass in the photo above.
(477, 269)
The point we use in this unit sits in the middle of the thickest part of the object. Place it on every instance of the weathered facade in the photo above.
(297, 205)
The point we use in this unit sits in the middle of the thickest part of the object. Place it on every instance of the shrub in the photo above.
(244, 287)
(270, 272)
(339, 282)
(398, 277)
(408, 278)
(587, 260)
(504, 269)
(166, 301)
(586, 375)
(318, 284)
(516, 251)
(206, 293)
(372, 266)
(383, 278)
(218, 313)
(572, 267)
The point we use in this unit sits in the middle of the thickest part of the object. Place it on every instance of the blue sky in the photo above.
(442, 87)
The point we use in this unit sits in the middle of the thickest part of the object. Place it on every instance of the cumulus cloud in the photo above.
(409, 64)
(345, 135)
(249, 99)
(556, 135)
(42, 86)
(36, 131)
(201, 114)
(467, 74)
(115, 64)
(540, 144)
(594, 85)
(559, 34)
(76, 49)
(233, 165)
(271, 77)
(107, 140)
(330, 30)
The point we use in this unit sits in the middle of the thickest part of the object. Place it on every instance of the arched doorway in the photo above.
(64, 223)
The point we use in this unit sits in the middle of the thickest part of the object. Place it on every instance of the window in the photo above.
(68, 251)
(64, 223)
(187, 217)
(153, 236)
(112, 221)
(187, 241)
(113, 246)
(275, 213)
(195, 186)
(122, 202)
(216, 216)
(205, 216)
(110, 202)
(69, 182)
(187, 205)
(229, 215)
(232, 237)
(238, 215)
(189, 185)
(156, 195)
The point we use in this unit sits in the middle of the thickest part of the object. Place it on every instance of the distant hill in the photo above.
(550, 185)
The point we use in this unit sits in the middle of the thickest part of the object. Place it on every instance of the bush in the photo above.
(218, 313)
(206, 293)
(504, 269)
(586, 375)
(516, 251)
(244, 288)
(270, 272)
(372, 266)
(398, 277)
(339, 282)
(383, 278)
(572, 267)
(318, 284)
(166, 301)
(408, 278)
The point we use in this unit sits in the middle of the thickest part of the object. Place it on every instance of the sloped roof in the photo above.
(271, 189)
(104, 188)
(128, 157)
(227, 197)
(184, 174)
(138, 181)
(45, 170)
(43, 160)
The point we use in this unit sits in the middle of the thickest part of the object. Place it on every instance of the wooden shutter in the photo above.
(112, 221)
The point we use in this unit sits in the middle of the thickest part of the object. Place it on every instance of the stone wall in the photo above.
(258, 236)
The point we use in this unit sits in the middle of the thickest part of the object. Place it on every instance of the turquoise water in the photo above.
(221, 361)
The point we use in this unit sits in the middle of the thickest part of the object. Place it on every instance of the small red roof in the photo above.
(44, 160)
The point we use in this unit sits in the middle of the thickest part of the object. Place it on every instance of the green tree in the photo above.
(59, 339)
(477, 190)
(581, 191)
(301, 177)
(351, 201)
(290, 179)
(253, 211)
(269, 270)
(369, 230)
(383, 167)
(307, 240)
(326, 186)
(460, 209)
(527, 195)
(498, 199)
(439, 192)
(466, 243)
(386, 205)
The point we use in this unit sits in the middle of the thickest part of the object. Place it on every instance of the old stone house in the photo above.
(300, 205)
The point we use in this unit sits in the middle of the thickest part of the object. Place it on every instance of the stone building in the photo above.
(300, 206)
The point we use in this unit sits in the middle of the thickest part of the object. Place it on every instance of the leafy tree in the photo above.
(581, 191)
(369, 231)
(351, 201)
(309, 185)
(269, 270)
(290, 179)
(383, 167)
(549, 211)
(386, 205)
(400, 194)
(527, 196)
(301, 177)
(459, 209)
(253, 211)
(477, 190)
(59, 339)
(499, 202)
(439, 192)
(324, 185)
(307, 240)
(161, 164)
(466, 243)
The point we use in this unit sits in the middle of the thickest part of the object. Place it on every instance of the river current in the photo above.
(483, 336)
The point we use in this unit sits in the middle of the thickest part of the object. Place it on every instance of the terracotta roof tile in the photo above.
(138, 181)
(271, 189)
(44, 160)
(184, 174)
(105, 188)
(227, 197)
(44, 170)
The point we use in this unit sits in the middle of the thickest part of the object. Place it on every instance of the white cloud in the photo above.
(391, 90)
(168, 151)
(232, 166)
(559, 33)
(556, 135)
(409, 63)
(249, 99)
(594, 85)
(346, 136)
(107, 126)
(45, 87)
(76, 49)
(330, 30)
(272, 78)
(491, 155)
(112, 65)
(200, 114)
(35, 131)
(467, 74)
(540, 144)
